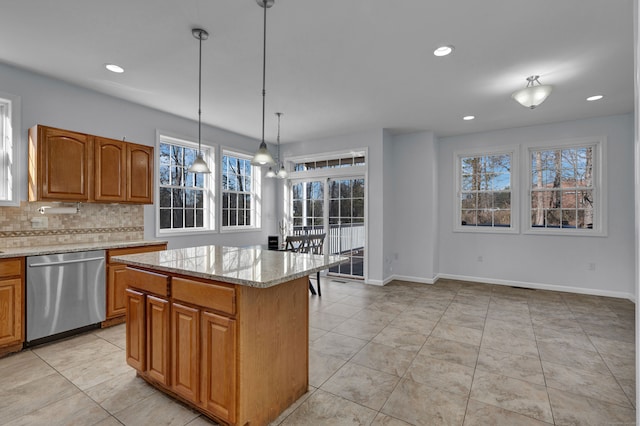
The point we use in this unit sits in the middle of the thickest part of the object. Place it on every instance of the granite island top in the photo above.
(75, 247)
(249, 266)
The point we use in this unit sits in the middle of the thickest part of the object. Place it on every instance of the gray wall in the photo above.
(56, 103)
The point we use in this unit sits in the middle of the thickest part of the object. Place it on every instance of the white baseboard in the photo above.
(540, 286)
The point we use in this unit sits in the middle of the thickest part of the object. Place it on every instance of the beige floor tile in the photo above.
(384, 358)
(323, 408)
(414, 325)
(563, 339)
(116, 335)
(450, 350)
(440, 374)
(615, 347)
(506, 330)
(512, 394)
(560, 324)
(325, 321)
(514, 366)
(362, 385)
(338, 345)
(463, 320)
(18, 370)
(109, 421)
(603, 387)
(30, 396)
(120, 392)
(480, 414)
(75, 410)
(420, 404)
(85, 351)
(374, 316)
(286, 413)
(360, 329)
(90, 372)
(575, 357)
(315, 333)
(457, 307)
(511, 317)
(571, 409)
(322, 366)
(401, 339)
(156, 410)
(514, 345)
(342, 309)
(457, 333)
(384, 420)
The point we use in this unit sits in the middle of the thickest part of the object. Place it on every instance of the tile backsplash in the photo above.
(93, 223)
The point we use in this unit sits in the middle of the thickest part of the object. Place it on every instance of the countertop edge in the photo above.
(76, 247)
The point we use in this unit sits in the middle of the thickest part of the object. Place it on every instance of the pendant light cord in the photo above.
(279, 161)
(199, 93)
(264, 64)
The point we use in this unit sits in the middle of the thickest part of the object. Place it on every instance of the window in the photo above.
(485, 196)
(564, 189)
(240, 192)
(9, 143)
(184, 198)
(355, 159)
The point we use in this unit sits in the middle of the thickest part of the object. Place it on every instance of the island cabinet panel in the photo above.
(218, 296)
(117, 282)
(185, 351)
(59, 163)
(11, 305)
(219, 365)
(136, 329)
(139, 174)
(110, 162)
(158, 351)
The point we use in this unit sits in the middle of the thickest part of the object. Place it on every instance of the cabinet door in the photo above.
(116, 286)
(110, 162)
(185, 329)
(10, 311)
(136, 330)
(139, 173)
(158, 350)
(64, 159)
(218, 363)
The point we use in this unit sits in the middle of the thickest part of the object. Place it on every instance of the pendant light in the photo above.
(199, 165)
(282, 173)
(532, 95)
(263, 157)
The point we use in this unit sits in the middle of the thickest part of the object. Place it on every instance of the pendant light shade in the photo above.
(263, 157)
(199, 165)
(280, 172)
(532, 95)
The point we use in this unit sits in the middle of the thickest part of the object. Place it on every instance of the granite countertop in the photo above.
(250, 266)
(69, 248)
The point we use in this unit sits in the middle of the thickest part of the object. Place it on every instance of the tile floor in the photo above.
(453, 353)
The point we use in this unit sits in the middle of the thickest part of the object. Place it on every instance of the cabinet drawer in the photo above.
(134, 250)
(212, 296)
(147, 281)
(10, 268)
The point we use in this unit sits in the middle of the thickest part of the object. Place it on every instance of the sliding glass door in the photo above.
(343, 221)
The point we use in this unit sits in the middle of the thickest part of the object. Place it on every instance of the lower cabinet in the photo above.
(158, 339)
(11, 304)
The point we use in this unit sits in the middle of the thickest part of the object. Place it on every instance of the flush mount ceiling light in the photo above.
(263, 157)
(443, 51)
(469, 117)
(199, 165)
(532, 95)
(114, 68)
(595, 98)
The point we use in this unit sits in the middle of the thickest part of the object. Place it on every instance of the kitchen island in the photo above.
(224, 329)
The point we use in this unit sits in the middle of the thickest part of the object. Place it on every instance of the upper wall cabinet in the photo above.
(71, 166)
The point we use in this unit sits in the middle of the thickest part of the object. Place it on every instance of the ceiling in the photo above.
(336, 66)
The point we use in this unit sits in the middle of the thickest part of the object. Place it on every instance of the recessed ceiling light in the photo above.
(114, 68)
(469, 117)
(595, 98)
(443, 50)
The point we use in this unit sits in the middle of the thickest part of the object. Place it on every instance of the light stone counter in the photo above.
(249, 266)
(70, 248)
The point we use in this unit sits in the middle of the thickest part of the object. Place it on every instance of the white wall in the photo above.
(414, 202)
(56, 103)
(374, 142)
(555, 262)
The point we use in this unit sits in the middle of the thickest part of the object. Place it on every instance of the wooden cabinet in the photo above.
(59, 164)
(185, 351)
(136, 329)
(116, 284)
(11, 305)
(72, 166)
(157, 318)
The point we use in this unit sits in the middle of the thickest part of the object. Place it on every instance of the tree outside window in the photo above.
(238, 192)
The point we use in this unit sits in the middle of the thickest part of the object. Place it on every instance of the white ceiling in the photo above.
(336, 66)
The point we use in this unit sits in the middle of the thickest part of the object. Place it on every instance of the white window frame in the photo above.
(599, 186)
(208, 154)
(514, 226)
(10, 109)
(255, 193)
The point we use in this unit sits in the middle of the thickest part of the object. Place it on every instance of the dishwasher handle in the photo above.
(65, 262)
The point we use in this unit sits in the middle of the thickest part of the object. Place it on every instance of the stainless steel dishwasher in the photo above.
(65, 292)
